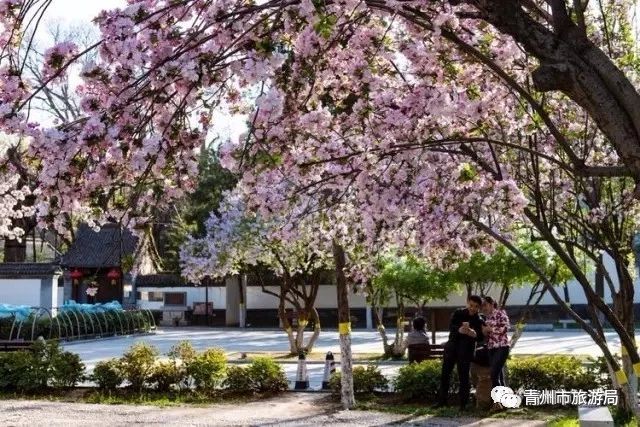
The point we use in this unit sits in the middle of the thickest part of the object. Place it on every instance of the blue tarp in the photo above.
(91, 308)
(20, 311)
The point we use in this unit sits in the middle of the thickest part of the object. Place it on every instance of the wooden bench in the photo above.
(6, 346)
(419, 352)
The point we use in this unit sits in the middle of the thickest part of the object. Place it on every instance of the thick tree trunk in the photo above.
(572, 64)
(344, 322)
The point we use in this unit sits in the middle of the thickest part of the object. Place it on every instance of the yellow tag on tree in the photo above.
(636, 369)
(623, 350)
(621, 377)
(344, 328)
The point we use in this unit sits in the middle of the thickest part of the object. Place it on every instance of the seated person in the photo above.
(419, 333)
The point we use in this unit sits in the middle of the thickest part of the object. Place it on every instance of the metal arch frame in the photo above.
(135, 320)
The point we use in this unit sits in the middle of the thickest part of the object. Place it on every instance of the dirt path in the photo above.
(292, 409)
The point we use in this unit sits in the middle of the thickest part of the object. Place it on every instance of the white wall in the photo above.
(20, 291)
(217, 295)
(256, 299)
(327, 298)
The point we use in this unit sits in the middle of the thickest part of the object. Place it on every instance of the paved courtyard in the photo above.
(256, 340)
(291, 409)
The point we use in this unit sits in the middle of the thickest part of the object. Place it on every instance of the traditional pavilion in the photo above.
(101, 261)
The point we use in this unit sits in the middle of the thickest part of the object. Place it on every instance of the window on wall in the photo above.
(175, 298)
(156, 297)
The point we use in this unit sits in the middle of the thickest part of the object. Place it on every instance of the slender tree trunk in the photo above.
(316, 329)
(282, 313)
(388, 349)
(344, 328)
(398, 343)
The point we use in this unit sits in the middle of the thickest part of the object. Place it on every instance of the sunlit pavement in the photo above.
(269, 340)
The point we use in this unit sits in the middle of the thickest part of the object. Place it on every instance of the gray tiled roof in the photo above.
(100, 249)
(13, 269)
(165, 280)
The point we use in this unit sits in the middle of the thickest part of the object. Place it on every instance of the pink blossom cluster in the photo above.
(385, 134)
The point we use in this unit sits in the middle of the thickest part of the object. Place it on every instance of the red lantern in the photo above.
(113, 275)
(76, 275)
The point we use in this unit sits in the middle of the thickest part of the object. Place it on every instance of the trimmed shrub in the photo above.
(207, 369)
(267, 376)
(366, 380)
(108, 374)
(45, 365)
(422, 380)
(263, 375)
(67, 370)
(165, 375)
(554, 372)
(238, 380)
(181, 355)
(15, 371)
(137, 365)
(183, 351)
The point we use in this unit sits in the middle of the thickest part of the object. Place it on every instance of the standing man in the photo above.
(465, 330)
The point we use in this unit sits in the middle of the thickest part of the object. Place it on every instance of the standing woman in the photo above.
(495, 332)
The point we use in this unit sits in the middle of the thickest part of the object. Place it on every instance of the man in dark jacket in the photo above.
(465, 330)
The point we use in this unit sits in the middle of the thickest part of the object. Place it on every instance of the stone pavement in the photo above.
(291, 409)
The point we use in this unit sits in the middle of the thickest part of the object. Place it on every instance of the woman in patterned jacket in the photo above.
(495, 332)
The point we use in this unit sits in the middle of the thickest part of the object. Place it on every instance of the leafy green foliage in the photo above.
(108, 374)
(137, 365)
(67, 370)
(43, 367)
(165, 375)
(552, 373)
(422, 380)
(238, 380)
(409, 277)
(207, 369)
(263, 375)
(193, 211)
(366, 380)
(267, 376)
(504, 269)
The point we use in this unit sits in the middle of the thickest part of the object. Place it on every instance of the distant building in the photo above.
(32, 284)
(105, 258)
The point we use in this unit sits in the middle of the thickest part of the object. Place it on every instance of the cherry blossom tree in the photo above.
(429, 117)
(237, 240)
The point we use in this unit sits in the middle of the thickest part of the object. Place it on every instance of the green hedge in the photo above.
(422, 380)
(555, 372)
(366, 380)
(44, 367)
(263, 375)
